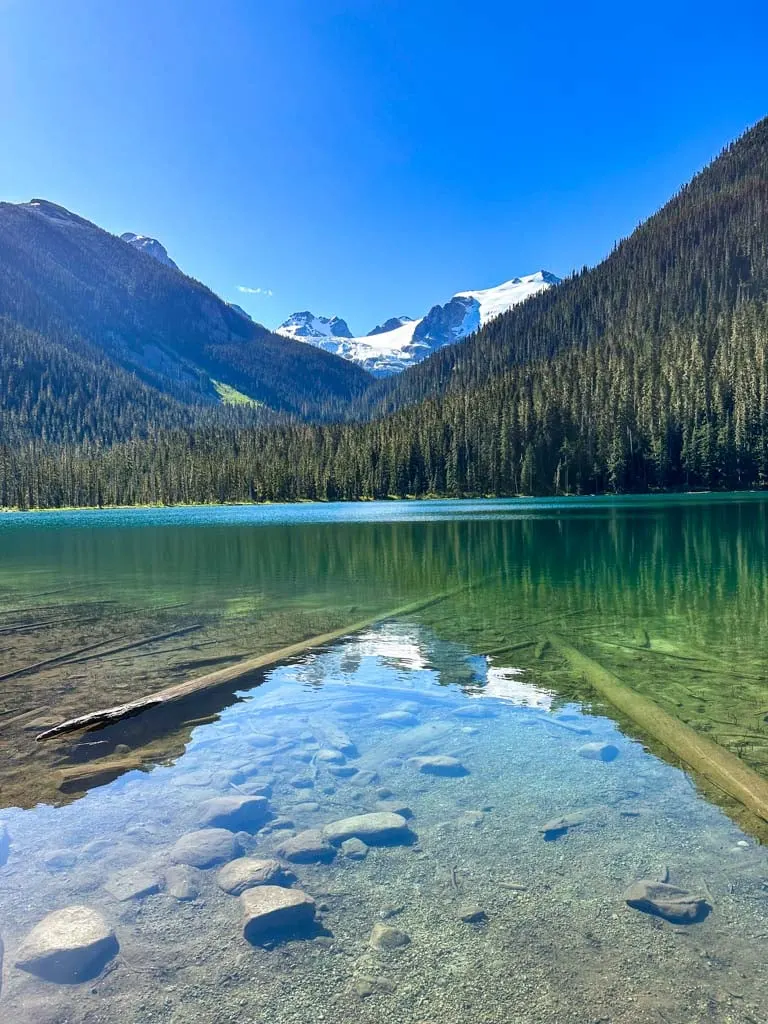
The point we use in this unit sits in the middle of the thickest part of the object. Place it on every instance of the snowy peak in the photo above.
(390, 325)
(150, 246)
(306, 326)
(401, 342)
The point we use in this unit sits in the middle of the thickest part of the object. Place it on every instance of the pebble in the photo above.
(667, 901)
(475, 710)
(262, 740)
(308, 847)
(557, 827)
(329, 756)
(342, 771)
(59, 860)
(366, 986)
(385, 938)
(246, 872)
(69, 945)
(355, 849)
(377, 828)
(236, 813)
(599, 752)
(439, 764)
(395, 807)
(303, 782)
(256, 787)
(205, 848)
(306, 807)
(269, 910)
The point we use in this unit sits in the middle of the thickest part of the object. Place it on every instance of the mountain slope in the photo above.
(402, 342)
(691, 263)
(150, 246)
(65, 279)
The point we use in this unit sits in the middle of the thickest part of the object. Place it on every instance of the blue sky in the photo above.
(370, 157)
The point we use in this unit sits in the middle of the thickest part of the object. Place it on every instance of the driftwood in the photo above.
(710, 760)
(107, 716)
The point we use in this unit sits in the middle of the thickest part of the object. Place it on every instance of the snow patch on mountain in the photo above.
(150, 246)
(401, 342)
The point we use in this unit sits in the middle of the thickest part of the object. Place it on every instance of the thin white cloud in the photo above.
(254, 291)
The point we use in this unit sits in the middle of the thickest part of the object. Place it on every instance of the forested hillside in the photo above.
(688, 266)
(648, 372)
(107, 310)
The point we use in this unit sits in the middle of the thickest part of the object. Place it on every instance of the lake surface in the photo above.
(528, 806)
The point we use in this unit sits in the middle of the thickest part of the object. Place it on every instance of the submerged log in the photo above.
(728, 772)
(107, 716)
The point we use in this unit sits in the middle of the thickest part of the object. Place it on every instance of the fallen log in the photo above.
(107, 716)
(710, 760)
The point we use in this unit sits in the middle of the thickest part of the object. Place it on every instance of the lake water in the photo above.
(526, 806)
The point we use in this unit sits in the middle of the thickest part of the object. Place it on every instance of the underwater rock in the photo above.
(475, 710)
(246, 872)
(205, 848)
(308, 847)
(278, 824)
(262, 740)
(557, 827)
(471, 819)
(377, 828)
(236, 813)
(398, 718)
(394, 807)
(330, 756)
(439, 764)
(472, 915)
(599, 751)
(182, 882)
(366, 986)
(59, 860)
(256, 787)
(386, 939)
(306, 807)
(133, 884)
(354, 848)
(364, 777)
(338, 739)
(68, 945)
(342, 771)
(667, 901)
(271, 910)
(303, 782)
(5, 844)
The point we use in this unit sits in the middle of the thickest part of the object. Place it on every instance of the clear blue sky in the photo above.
(370, 157)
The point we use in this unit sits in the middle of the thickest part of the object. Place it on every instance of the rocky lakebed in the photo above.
(353, 842)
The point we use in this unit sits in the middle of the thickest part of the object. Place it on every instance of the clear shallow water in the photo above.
(671, 596)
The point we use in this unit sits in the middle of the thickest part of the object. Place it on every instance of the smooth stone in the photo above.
(556, 827)
(398, 718)
(68, 945)
(303, 782)
(182, 882)
(262, 740)
(94, 848)
(472, 819)
(384, 793)
(475, 710)
(439, 764)
(473, 915)
(236, 813)
(256, 787)
(5, 843)
(355, 849)
(246, 872)
(278, 824)
(270, 909)
(379, 827)
(364, 777)
(329, 756)
(343, 771)
(386, 939)
(302, 756)
(394, 807)
(205, 848)
(308, 847)
(133, 884)
(599, 752)
(60, 860)
(339, 740)
(667, 901)
(306, 807)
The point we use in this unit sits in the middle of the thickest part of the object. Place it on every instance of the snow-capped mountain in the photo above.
(318, 330)
(151, 246)
(401, 342)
